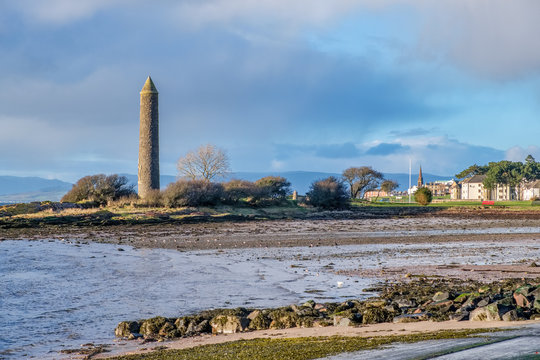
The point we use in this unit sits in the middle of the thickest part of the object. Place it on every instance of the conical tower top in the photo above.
(420, 178)
(149, 87)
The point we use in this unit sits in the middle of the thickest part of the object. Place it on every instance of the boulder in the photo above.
(182, 325)
(228, 324)
(406, 318)
(152, 326)
(202, 327)
(491, 312)
(521, 300)
(405, 303)
(258, 321)
(460, 316)
(524, 290)
(127, 328)
(169, 331)
(342, 321)
(440, 296)
(510, 316)
(374, 315)
(283, 319)
(485, 301)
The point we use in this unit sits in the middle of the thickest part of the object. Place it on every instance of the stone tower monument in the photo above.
(148, 140)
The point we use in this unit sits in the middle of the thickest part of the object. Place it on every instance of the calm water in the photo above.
(57, 294)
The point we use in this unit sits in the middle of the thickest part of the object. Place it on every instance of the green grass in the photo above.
(295, 348)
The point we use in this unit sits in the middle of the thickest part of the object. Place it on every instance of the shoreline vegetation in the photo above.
(51, 214)
(305, 348)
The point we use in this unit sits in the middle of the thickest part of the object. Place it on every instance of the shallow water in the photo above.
(57, 294)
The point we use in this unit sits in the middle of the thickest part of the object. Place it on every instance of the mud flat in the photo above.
(304, 232)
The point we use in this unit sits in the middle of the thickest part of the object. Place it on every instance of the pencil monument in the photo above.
(148, 175)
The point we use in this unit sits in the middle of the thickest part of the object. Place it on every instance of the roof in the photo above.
(149, 87)
(475, 179)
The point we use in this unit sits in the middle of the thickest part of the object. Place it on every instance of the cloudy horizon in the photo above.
(303, 86)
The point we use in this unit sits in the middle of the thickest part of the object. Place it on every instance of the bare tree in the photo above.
(205, 163)
(361, 179)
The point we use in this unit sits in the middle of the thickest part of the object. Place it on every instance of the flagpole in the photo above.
(410, 169)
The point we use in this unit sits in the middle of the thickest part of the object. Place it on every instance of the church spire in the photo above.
(420, 178)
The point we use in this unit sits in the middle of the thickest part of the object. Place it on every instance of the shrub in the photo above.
(236, 190)
(100, 189)
(329, 193)
(192, 193)
(423, 196)
(273, 188)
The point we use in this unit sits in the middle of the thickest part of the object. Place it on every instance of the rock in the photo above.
(126, 328)
(461, 316)
(405, 303)
(283, 319)
(182, 325)
(524, 290)
(203, 327)
(375, 303)
(510, 316)
(521, 300)
(228, 324)
(442, 304)
(483, 289)
(342, 321)
(320, 308)
(309, 303)
(169, 331)
(491, 312)
(152, 326)
(484, 302)
(536, 305)
(461, 298)
(535, 293)
(259, 321)
(374, 315)
(406, 318)
(441, 296)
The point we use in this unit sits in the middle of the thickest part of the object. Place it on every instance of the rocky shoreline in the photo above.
(399, 302)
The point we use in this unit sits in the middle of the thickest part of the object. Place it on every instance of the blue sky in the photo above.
(310, 85)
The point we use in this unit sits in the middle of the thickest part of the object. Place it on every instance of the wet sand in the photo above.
(287, 233)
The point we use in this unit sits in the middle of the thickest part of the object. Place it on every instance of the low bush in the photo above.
(100, 189)
(330, 193)
(192, 193)
(238, 190)
(423, 196)
(272, 189)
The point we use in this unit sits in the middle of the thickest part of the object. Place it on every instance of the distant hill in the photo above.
(25, 189)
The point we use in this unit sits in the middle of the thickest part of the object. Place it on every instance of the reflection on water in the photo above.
(56, 294)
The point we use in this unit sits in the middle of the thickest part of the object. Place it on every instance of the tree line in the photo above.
(505, 172)
(197, 187)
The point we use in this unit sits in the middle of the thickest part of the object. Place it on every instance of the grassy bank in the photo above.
(298, 348)
(47, 214)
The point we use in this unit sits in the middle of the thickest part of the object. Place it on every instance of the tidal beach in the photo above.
(64, 293)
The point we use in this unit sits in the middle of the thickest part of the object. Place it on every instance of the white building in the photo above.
(473, 188)
(531, 190)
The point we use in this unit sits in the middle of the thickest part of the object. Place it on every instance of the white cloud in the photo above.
(494, 38)
(518, 153)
